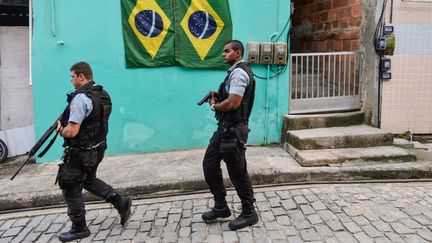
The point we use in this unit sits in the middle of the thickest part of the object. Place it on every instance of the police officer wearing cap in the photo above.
(84, 132)
(232, 105)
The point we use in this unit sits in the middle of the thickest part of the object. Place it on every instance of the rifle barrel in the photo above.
(206, 98)
(39, 144)
(20, 168)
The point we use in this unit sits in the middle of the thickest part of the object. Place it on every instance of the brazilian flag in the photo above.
(148, 33)
(202, 28)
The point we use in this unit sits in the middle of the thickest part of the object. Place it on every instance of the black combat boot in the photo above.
(123, 206)
(124, 209)
(248, 217)
(220, 210)
(78, 231)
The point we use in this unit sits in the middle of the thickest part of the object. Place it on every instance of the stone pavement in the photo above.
(313, 213)
(141, 174)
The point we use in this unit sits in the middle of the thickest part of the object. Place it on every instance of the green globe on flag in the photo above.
(148, 33)
(204, 28)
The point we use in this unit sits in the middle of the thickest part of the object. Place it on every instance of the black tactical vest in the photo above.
(242, 113)
(94, 128)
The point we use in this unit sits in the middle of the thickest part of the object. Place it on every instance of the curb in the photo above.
(416, 170)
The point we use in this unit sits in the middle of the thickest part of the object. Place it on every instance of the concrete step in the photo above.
(323, 157)
(342, 119)
(338, 137)
(403, 143)
(300, 122)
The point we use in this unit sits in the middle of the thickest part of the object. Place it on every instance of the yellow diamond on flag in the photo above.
(202, 26)
(150, 25)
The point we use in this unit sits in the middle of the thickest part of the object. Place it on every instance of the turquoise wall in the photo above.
(154, 109)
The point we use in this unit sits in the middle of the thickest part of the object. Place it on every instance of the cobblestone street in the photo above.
(399, 212)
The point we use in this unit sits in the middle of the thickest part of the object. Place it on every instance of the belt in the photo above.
(229, 124)
(85, 148)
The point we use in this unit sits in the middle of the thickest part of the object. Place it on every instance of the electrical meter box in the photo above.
(266, 53)
(280, 53)
(253, 52)
(388, 29)
(380, 43)
(385, 64)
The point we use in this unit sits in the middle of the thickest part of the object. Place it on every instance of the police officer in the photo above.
(84, 129)
(232, 105)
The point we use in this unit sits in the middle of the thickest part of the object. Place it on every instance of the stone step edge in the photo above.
(355, 140)
(409, 157)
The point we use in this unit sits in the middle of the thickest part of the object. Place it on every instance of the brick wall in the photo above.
(326, 25)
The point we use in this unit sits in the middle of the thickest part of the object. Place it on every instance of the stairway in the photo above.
(328, 139)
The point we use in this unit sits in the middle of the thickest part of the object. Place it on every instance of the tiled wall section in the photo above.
(412, 12)
(413, 39)
(407, 98)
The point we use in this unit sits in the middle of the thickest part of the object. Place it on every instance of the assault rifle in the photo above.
(208, 97)
(41, 141)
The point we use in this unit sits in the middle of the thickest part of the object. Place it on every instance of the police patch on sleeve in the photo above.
(234, 82)
(73, 108)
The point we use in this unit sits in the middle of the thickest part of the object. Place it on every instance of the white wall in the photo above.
(16, 101)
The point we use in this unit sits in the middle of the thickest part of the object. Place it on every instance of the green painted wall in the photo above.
(154, 109)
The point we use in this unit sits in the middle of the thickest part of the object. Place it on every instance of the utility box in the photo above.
(280, 53)
(266, 53)
(390, 45)
(380, 43)
(253, 52)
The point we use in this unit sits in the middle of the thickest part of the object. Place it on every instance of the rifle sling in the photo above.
(48, 146)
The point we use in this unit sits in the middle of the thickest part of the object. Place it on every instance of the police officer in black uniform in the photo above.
(84, 128)
(232, 105)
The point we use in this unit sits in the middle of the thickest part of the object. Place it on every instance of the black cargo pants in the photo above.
(78, 171)
(235, 162)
